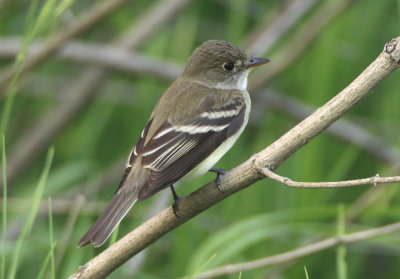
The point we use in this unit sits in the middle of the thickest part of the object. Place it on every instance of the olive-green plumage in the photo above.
(192, 126)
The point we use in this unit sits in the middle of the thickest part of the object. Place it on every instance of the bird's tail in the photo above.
(109, 219)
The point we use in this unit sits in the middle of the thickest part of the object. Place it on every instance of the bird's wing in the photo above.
(121, 203)
(175, 149)
(137, 149)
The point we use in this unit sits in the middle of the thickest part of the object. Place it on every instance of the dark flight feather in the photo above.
(168, 150)
(184, 151)
(108, 220)
(194, 117)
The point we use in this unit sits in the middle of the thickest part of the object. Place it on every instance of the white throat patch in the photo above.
(238, 84)
(233, 84)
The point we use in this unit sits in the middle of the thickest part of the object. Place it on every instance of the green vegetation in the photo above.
(43, 221)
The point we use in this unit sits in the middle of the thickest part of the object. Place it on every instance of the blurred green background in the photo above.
(314, 56)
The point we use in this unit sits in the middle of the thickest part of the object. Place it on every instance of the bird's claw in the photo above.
(176, 201)
(219, 172)
(175, 207)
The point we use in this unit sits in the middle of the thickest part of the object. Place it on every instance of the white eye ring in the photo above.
(228, 66)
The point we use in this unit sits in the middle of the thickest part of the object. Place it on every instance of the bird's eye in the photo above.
(228, 66)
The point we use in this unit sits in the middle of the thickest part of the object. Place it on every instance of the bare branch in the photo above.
(86, 19)
(300, 252)
(245, 174)
(374, 180)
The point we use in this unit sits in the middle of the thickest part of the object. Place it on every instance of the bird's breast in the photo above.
(211, 160)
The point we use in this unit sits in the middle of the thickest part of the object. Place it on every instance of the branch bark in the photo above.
(247, 173)
(374, 180)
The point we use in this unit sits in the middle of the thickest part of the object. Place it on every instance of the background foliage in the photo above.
(265, 219)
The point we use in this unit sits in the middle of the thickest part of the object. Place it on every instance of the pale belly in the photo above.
(211, 160)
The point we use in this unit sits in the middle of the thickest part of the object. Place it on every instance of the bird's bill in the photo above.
(254, 62)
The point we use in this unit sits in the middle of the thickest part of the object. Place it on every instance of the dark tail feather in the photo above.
(109, 219)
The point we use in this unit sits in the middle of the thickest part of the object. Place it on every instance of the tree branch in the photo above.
(246, 173)
(374, 180)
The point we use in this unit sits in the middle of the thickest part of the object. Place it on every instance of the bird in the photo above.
(194, 123)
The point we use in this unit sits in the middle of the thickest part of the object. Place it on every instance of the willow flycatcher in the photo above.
(193, 125)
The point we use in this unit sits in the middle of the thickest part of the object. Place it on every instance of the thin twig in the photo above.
(300, 252)
(374, 180)
(370, 197)
(245, 174)
(86, 19)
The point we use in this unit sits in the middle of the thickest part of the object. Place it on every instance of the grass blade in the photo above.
(19, 60)
(37, 196)
(33, 27)
(203, 266)
(43, 268)
(114, 236)
(52, 244)
(341, 267)
(306, 273)
(4, 216)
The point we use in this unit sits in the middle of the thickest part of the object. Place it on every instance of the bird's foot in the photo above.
(176, 201)
(219, 172)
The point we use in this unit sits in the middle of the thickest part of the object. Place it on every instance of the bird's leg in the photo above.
(176, 200)
(219, 172)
